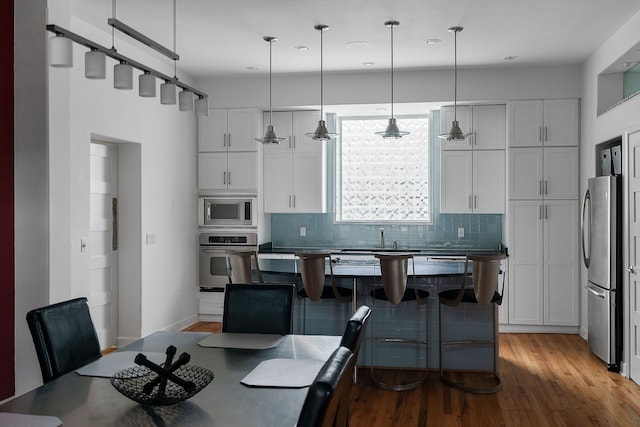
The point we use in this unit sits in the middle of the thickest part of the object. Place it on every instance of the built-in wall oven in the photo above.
(212, 263)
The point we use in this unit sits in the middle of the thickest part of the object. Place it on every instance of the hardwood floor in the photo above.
(548, 380)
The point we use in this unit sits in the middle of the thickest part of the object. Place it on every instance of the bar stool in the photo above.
(240, 265)
(486, 269)
(394, 274)
(313, 273)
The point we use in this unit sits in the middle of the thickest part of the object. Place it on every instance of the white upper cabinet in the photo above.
(293, 125)
(486, 125)
(232, 129)
(534, 123)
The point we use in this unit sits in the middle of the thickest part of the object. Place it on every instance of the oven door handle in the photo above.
(211, 250)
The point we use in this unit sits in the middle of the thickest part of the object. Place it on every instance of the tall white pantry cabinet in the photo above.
(543, 213)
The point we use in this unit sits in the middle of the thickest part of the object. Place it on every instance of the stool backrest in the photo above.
(394, 270)
(240, 265)
(355, 330)
(64, 337)
(485, 272)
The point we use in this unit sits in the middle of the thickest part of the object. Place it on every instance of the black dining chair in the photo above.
(258, 308)
(327, 400)
(64, 337)
(353, 333)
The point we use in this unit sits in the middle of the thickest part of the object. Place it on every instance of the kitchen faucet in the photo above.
(381, 237)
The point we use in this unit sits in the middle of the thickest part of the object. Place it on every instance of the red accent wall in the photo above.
(7, 277)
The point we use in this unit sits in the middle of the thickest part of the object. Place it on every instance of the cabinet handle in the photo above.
(540, 212)
(540, 133)
(224, 143)
(294, 146)
(546, 187)
(470, 203)
(290, 141)
(224, 177)
(474, 137)
(289, 200)
(546, 133)
(294, 201)
(546, 212)
(540, 187)
(475, 202)
(229, 179)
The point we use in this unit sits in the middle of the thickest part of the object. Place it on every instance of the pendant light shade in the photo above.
(167, 93)
(147, 85)
(95, 64)
(202, 106)
(270, 136)
(321, 133)
(60, 52)
(185, 100)
(392, 130)
(123, 76)
(455, 133)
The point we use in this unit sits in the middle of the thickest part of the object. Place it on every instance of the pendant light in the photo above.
(95, 64)
(455, 133)
(270, 136)
(147, 85)
(60, 52)
(392, 130)
(321, 133)
(202, 106)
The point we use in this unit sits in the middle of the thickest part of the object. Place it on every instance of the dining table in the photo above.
(86, 400)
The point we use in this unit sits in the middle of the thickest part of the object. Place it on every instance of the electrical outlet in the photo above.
(461, 232)
(83, 244)
(303, 231)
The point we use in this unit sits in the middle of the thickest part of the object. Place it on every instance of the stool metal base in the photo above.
(398, 387)
(478, 390)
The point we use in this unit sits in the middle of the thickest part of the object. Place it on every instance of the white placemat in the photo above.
(289, 373)
(107, 365)
(26, 420)
(242, 341)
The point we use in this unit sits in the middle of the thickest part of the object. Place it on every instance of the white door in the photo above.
(633, 262)
(103, 259)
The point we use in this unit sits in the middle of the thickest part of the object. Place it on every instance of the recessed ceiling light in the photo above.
(367, 64)
(357, 45)
(381, 109)
(252, 68)
(510, 58)
(301, 47)
(432, 41)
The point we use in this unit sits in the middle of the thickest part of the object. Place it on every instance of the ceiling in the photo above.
(216, 38)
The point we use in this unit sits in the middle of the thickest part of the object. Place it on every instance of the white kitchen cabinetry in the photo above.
(485, 123)
(211, 306)
(227, 171)
(227, 157)
(231, 129)
(543, 217)
(472, 181)
(534, 123)
(294, 178)
(544, 261)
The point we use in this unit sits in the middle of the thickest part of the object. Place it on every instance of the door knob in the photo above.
(630, 270)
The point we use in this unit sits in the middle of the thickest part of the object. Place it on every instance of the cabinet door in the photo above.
(242, 129)
(308, 182)
(561, 122)
(282, 125)
(524, 123)
(489, 127)
(525, 173)
(526, 262)
(212, 130)
(456, 182)
(463, 114)
(242, 169)
(212, 171)
(305, 122)
(561, 173)
(561, 263)
(277, 182)
(489, 181)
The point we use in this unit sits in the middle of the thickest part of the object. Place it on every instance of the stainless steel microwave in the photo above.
(222, 211)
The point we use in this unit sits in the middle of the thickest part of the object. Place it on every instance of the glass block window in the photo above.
(382, 180)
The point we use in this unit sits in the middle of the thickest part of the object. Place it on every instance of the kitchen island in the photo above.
(361, 271)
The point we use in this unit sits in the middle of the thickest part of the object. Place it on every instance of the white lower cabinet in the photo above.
(211, 306)
(543, 263)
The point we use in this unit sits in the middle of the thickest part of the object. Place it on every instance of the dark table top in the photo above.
(92, 401)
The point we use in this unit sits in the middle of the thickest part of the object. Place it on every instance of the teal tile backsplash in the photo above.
(481, 231)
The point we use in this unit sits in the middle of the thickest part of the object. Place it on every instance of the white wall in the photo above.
(596, 129)
(52, 157)
(496, 84)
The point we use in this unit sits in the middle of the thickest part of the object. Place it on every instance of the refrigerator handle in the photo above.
(596, 293)
(586, 257)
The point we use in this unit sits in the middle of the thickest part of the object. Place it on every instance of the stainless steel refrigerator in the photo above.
(601, 248)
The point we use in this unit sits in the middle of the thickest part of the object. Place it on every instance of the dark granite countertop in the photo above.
(427, 251)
